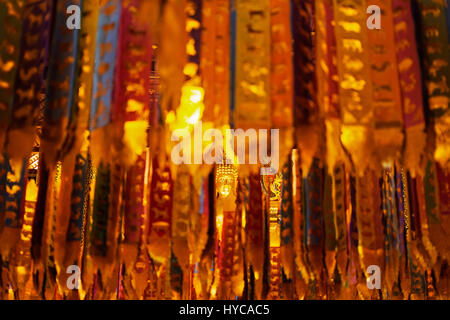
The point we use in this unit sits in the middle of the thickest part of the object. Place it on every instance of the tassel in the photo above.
(183, 207)
(315, 240)
(15, 187)
(330, 233)
(161, 202)
(303, 272)
(392, 241)
(254, 232)
(286, 228)
(22, 255)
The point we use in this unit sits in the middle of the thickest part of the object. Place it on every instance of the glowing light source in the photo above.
(226, 176)
(190, 110)
(196, 95)
(170, 118)
(193, 119)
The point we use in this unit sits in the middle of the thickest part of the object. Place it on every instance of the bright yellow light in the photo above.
(213, 292)
(196, 95)
(190, 69)
(191, 94)
(193, 119)
(191, 107)
(170, 118)
(219, 225)
(225, 186)
(135, 135)
(32, 191)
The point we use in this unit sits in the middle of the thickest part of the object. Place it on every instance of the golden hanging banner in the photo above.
(327, 81)
(252, 64)
(282, 74)
(355, 87)
(386, 98)
(215, 60)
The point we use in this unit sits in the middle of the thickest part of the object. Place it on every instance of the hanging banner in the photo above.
(74, 146)
(215, 60)
(281, 74)
(30, 78)
(328, 66)
(408, 65)
(434, 36)
(254, 232)
(100, 210)
(194, 47)
(172, 44)
(10, 36)
(386, 99)
(79, 125)
(252, 65)
(306, 111)
(281, 70)
(315, 233)
(340, 206)
(303, 274)
(105, 59)
(78, 206)
(424, 225)
(272, 185)
(327, 81)
(132, 81)
(133, 66)
(61, 84)
(355, 92)
(437, 221)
